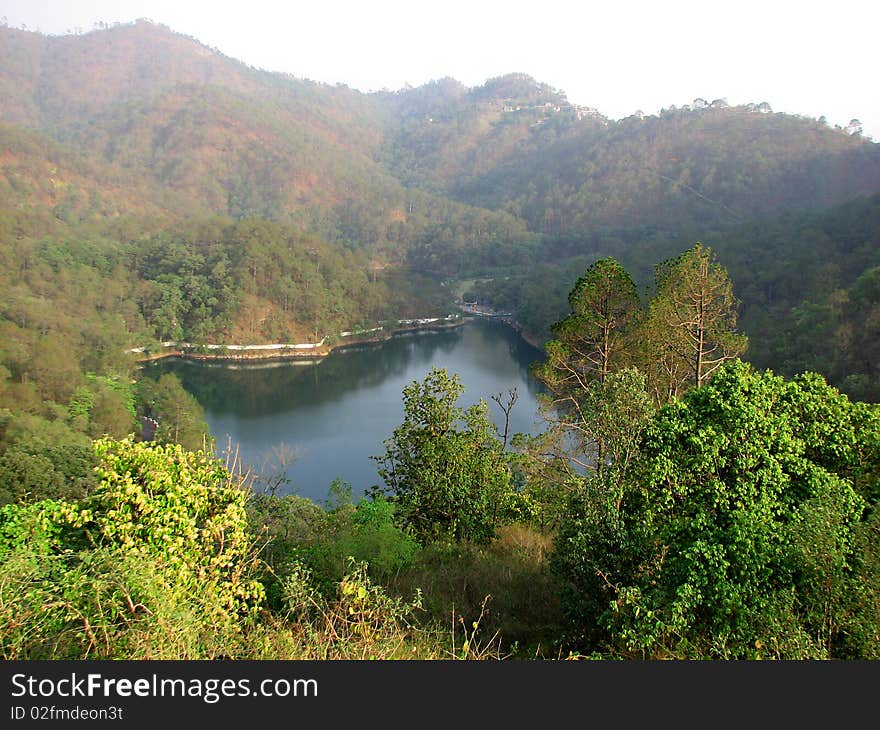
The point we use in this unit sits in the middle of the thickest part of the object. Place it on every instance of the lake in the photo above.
(311, 422)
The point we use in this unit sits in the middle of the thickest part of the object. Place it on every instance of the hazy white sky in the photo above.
(802, 57)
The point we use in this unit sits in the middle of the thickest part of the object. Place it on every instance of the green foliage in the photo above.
(49, 526)
(795, 274)
(838, 334)
(32, 432)
(744, 523)
(444, 467)
(679, 169)
(22, 475)
(106, 604)
(596, 447)
(162, 538)
(590, 346)
(64, 471)
(301, 535)
(366, 533)
(714, 550)
(110, 406)
(158, 564)
(80, 407)
(191, 289)
(596, 406)
(689, 330)
(283, 524)
(591, 342)
(181, 508)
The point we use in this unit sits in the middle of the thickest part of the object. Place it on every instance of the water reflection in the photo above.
(334, 414)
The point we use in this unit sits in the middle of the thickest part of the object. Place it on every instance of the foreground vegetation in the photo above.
(679, 504)
(170, 556)
(746, 527)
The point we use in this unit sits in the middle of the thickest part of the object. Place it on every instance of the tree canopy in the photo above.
(744, 533)
(444, 467)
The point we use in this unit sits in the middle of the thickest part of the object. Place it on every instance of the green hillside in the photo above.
(678, 503)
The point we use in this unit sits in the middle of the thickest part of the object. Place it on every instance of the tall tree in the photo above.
(693, 315)
(590, 344)
(444, 467)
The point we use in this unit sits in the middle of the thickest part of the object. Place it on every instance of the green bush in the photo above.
(156, 563)
(366, 533)
(284, 523)
(741, 535)
(376, 538)
(445, 469)
(106, 603)
(183, 508)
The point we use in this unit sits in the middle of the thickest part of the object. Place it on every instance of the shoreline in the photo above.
(533, 340)
(306, 352)
(489, 313)
(315, 352)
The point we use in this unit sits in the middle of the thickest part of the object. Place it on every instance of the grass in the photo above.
(504, 587)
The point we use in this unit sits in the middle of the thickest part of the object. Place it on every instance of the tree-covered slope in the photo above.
(51, 180)
(135, 131)
(227, 138)
(205, 135)
(57, 81)
(806, 284)
(445, 137)
(709, 165)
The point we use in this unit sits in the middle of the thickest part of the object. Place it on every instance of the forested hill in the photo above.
(679, 503)
(564, 168)
(223, 137)
(59, 81)
(445, 137)
(233, 140)
(707, 164)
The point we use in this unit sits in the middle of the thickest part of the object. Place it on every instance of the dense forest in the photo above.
(804, 280)
(706, 486)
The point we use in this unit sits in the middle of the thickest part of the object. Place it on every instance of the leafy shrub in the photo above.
(444, 467)
(283, 523)
(23, 475)
(106, 603)
(743, 535)
(157, 562)
(377, 539)
(366, 533)
(182, 508)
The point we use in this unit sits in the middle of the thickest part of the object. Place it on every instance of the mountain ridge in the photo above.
(225, 138)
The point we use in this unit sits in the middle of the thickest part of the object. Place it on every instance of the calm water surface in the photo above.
(331, 416)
